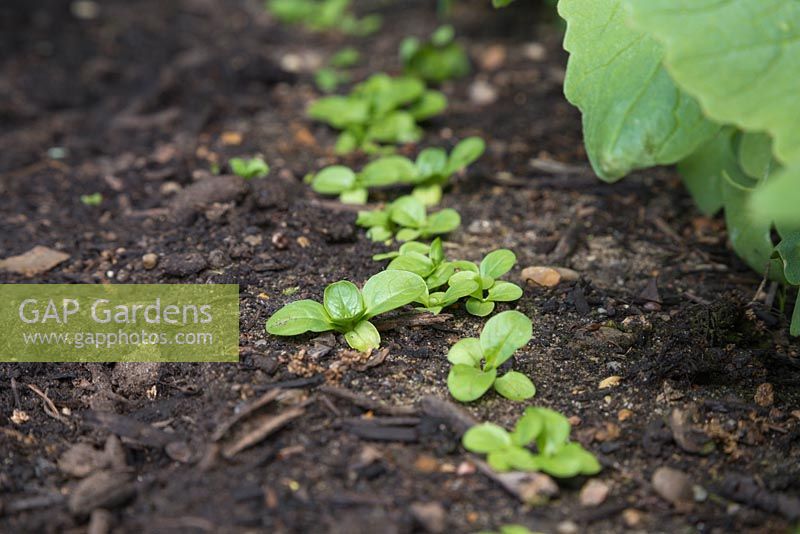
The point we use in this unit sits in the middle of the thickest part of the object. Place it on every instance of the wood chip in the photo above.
(103, 489)
(37, 260)
(610, 382)
(262, 429)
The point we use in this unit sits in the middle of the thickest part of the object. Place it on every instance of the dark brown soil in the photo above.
(141, 98)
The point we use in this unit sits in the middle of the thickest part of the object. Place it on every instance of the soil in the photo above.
(142, 101)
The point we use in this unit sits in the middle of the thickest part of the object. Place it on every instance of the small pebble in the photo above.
(149, 261)
(673, 485)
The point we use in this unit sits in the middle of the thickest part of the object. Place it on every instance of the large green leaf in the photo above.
(388, 290)
(702, 170)
(466, 351)
(779, 198)
(740, 59)
(515, 386)
(633, 114)
(299, 317)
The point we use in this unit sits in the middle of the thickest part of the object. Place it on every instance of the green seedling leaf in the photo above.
(431, 103)
(569, 461)
(431, 161)
(249, 168)
(479, 308)
(429, 195)
(440, 275)
(467, 383)
(555, 430)
(396, 127)
(466, 351)
(372, 218)
(436, 251)
(413, 262)
(443, 35)
(465, 153)
(388, 170)
(408, 234)
(527, 429)
(408, 47)
(461, 284)
(504, 292)
(486, 438)
(343, 302)
(95, 199)
(333, 180)
(442, 222)
(299, 317)
(515, 386)
(634, 115)
(363, 337)
(389, 290)
(497, 263)
(519, 458)
(408, 211)
(502, 335)
(339, 111)
(346, 143)
(777, 199)
(498, 460)
(327, 79)
(345, 58)
(702, 170)
(355, 196)
(379, 233)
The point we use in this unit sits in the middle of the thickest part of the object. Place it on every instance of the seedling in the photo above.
(481, 284)
(476, 360)
(95, 199)
(406, 217)
(379, 110)
(429, 262)
(329, 78)
(429, 173)
(249, 168)
(439, 59)
(353, 188)
(434, 167)
(556, 455)
(320, 15)
(511, 529)
(347, 310)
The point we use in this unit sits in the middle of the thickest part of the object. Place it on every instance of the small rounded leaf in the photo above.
(388, 170)
(479, 308)
(389, 290)
(333, 180)
(462, 284)
(464, 153)
(497, 263)
(467, 383)
(413, 262)
(406, 234)
(504, 292)
(503, 334)
(354, 196)
(515, 386)
(343, 301)
(299, 317)
(431, 104)
(486, 438)
(407, 211)
(363, 337)
(466, 351)
(431, 162)
(442, 222)
(527, 428)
